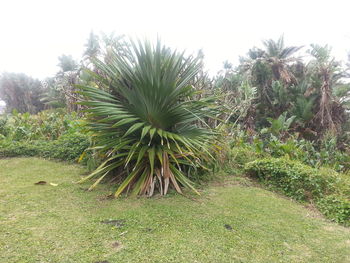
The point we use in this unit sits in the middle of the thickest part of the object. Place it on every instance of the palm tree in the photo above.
(268, 69)
(146, 127)
(276, 57)
(92, 47)
(326, 73)
(279, 57)
(66, 79)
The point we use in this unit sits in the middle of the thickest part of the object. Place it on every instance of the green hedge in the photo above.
(335, 207)
(328, 189)
(67, 148)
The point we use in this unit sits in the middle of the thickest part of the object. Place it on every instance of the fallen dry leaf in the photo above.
(41, 183)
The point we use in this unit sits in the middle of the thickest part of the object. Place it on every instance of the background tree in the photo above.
(21, 92)
(66, 79)
(270, 71)
(325, 75)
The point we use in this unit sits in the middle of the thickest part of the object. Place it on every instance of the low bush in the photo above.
(335, 207)
(67, 147)
(13, 149)
(46, 125)
(305, 183)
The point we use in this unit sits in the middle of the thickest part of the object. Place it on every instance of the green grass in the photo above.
(45, 223)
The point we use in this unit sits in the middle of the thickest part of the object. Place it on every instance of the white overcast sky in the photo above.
(34, 33)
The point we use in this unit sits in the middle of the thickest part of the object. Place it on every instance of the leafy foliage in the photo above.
(322, 154)
(280, 125)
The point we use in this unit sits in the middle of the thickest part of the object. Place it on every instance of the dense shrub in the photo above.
(46, 125)
(14, 149)
(335, 207)
(305, 183)
(51, 134)
(67, 147)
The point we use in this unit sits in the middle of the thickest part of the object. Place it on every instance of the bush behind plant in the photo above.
(45, 125)
(67, 148)
(327, 188)
(322, 154)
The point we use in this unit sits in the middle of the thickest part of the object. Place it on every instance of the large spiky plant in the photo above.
(145, 120)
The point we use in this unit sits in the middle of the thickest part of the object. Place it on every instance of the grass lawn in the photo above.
(231, 222)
